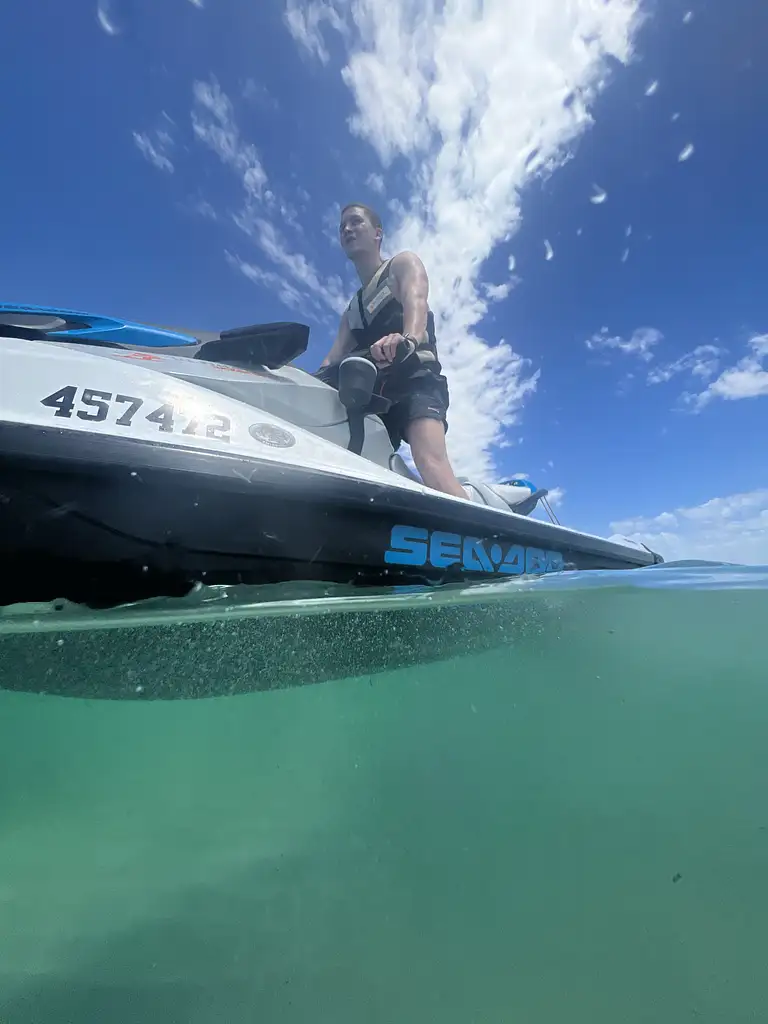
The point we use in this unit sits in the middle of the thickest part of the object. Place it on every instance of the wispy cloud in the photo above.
(329, 291)
(732, 528)
(106, 17)
(258, 94)
(288, 294)
(201, 208)
(157, 145)
(477, 100)
(748, 378)
(375, 182)
(214, 124)
(640, 343)
(305, 21)
(288, 273)
(703, 362)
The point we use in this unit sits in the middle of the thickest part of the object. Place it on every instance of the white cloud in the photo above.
(204, 209)
(288, 294)
(555, 496)
(686, 153)
(478, 99)
(497, 292)
(747, 379)
(599, 195)
(106, 18)
(640, 344)
(293, 278)
(329, 291)
(729, 529)
(213, 124)
(156, 146)
(376, 183)
(703, 361)
(549, 252)
(258, 94)
(652, 88)
(304, 21)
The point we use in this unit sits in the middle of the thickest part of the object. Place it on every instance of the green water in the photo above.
(566, 824)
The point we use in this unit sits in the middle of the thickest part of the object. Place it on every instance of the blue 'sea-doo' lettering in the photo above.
(413, 545)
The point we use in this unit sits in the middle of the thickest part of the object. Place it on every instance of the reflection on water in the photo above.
(565, 823)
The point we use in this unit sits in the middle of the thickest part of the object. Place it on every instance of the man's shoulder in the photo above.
(406, 257)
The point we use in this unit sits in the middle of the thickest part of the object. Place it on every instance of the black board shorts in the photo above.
(424, 395)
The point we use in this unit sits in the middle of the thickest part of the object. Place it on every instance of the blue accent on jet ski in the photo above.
(519, 482)
(101, 328)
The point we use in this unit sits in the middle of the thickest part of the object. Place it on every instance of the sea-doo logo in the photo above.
(413, 545)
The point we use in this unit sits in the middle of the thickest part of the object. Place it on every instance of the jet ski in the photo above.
(139, 461)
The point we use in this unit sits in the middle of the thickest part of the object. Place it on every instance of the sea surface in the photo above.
(538, 802)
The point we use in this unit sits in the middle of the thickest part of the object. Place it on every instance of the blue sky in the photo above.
(183, 162)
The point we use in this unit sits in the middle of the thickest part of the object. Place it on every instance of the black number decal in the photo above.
(218, 428)
(96, 409)
(163, 417)
(98, 401)
(134, 404)
(62, 401)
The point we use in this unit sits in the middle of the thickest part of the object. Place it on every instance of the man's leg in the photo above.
(426, 436)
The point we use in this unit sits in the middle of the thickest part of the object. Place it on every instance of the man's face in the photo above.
(356, 232)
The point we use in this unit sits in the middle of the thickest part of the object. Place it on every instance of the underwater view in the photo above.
(535, 801)
(384, 512)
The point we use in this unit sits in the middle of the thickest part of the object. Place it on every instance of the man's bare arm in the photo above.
(343, 343)
(411, 288)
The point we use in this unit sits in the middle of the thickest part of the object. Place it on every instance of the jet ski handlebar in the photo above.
(404, 349)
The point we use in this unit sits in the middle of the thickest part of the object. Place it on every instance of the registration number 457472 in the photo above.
(127, 411)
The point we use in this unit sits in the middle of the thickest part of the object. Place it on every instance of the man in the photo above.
(391, 307)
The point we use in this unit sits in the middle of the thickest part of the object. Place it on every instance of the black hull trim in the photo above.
(102, 520)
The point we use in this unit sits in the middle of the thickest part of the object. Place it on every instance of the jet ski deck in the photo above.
(138, 461)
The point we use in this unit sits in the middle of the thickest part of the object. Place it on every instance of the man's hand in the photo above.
(385, 349)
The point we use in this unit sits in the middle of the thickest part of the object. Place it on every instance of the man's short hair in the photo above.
(373, 217)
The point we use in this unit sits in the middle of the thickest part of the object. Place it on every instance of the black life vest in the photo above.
(374, 312)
